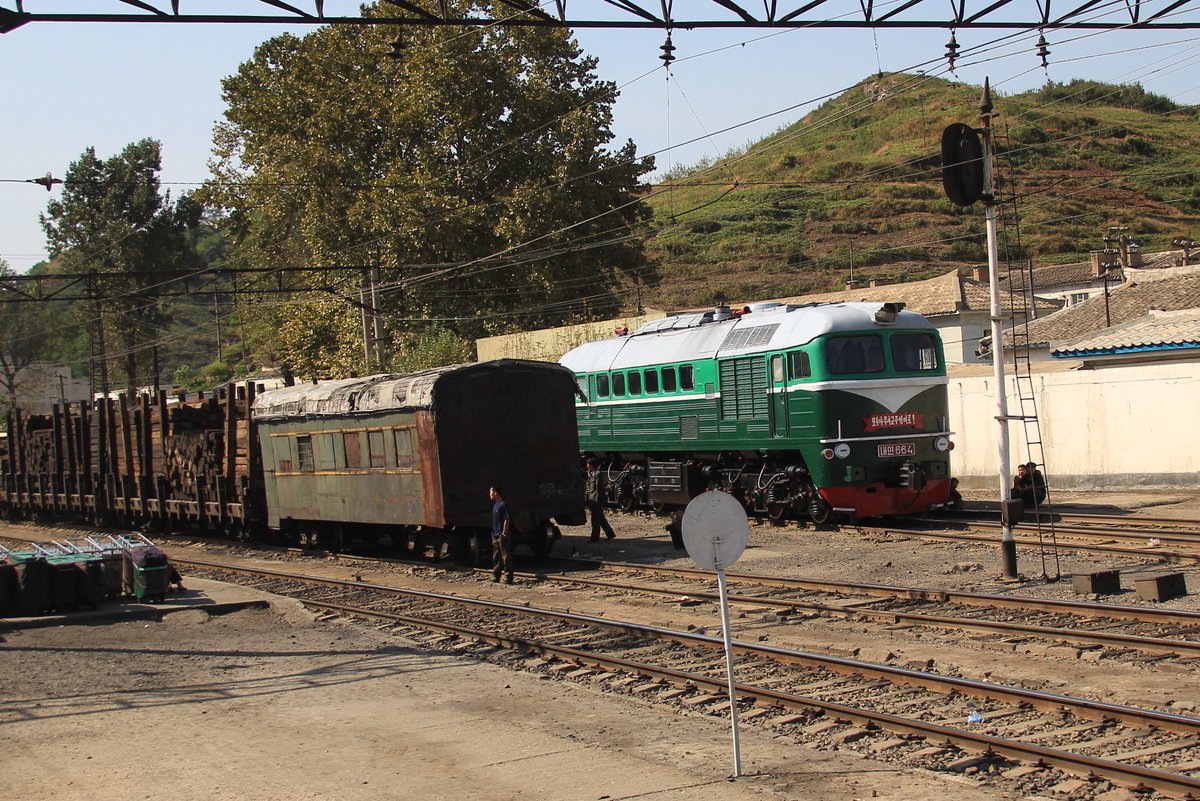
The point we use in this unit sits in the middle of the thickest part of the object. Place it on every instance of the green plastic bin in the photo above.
(151, 583)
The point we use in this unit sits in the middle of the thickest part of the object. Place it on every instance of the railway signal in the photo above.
(962, 164)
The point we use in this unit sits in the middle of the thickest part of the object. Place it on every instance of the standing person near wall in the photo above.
(501, 536)
(594, 487)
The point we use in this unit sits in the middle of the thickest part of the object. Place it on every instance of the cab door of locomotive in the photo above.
(777, 388)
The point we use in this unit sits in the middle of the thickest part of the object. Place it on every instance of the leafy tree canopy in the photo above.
(474, 170)
(113, 222)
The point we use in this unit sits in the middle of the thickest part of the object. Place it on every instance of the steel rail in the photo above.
(1160, 645)
(1177, 537)
(1098, 710)
(1135, 776)
(1081, 608)
(1083, 518)
(1027, 541)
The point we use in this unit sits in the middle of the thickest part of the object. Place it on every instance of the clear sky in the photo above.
(70, 86)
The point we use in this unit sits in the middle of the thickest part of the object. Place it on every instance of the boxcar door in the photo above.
(777, 387)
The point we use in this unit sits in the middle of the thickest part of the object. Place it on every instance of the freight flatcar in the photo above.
(816, 410)
(408, 456)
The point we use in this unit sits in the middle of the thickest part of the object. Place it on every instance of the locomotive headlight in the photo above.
(841, 450)
(943, 444)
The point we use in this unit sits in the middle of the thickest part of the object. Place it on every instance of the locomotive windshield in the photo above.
(854, 354)
(915, 352)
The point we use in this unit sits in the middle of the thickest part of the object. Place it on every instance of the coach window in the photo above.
(352, 443)
(687, 377)
(304, 452)
(635, 382)
(798, 364)
(404, 448)
(602, 386)
(914, 352)
(651, 381)
(326, 456)
(668, 376)
(375, 449)
(618, 380)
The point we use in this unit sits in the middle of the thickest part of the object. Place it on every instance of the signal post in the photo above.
(967, 177)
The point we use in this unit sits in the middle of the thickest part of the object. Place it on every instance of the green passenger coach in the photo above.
(413, 455)
(810, 410)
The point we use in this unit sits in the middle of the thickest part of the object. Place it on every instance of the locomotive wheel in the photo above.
(820, 511)
(626, 502)
(777, 512)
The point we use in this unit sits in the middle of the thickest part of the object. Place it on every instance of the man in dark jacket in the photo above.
(501, 536)
(594, 498)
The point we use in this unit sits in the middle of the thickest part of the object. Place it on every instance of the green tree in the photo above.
(475, 170)
(18, 338)
(31, 336)
(113, 224)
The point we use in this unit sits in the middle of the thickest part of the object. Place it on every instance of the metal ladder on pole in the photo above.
(1021, 300)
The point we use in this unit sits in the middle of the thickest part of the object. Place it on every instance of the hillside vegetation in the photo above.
(858, 181)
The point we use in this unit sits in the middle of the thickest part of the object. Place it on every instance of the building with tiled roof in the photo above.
(1167, 289)
(959, 307)
(1078, 281)
(1160, 334)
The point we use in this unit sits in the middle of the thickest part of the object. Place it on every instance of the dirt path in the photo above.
(255, 705)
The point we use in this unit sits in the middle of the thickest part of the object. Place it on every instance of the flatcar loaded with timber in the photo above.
(406, 456)
(815, 410)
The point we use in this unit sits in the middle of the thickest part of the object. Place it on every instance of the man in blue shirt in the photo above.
(501, 536)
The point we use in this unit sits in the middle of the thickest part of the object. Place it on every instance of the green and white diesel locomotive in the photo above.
(814, 410)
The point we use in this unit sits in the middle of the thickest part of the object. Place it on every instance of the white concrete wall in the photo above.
(1117, 426)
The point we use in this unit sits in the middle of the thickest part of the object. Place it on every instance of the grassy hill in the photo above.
(859, 180)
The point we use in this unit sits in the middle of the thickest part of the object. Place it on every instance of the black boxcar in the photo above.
(415, 454)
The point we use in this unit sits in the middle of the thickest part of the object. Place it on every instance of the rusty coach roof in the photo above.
(381, 393)
(375, 393)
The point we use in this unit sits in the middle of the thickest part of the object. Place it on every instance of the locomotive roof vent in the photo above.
(887, 313)
(721, 313)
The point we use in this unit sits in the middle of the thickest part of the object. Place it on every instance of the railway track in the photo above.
(1172, 540)
(904, 715)
(1134, 634)
(1145, 630)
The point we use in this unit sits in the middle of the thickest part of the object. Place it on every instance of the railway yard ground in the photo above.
(213, 695)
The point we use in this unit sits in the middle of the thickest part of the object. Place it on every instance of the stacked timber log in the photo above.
(194, 462)
(130, 457)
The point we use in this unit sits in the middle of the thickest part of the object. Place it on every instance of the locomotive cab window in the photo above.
(798, 365)
(602, 386)
(914, 352)
(618, 380)
(651, 382)
(668, 379)
(854, 354)
(687, 377)
(777, 376)
(635, 382)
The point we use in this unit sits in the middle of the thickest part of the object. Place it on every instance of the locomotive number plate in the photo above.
(897, 449)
